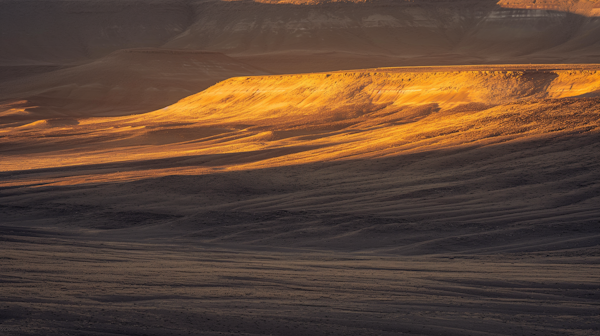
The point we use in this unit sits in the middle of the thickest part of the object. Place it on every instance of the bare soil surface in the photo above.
(64, 285)
(389, 201)
(299, 167)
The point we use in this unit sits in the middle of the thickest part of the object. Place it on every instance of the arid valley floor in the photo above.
(299, 167)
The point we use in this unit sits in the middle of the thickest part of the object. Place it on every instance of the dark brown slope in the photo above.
(68, 286)
(125, 82)
(359, 34)
(62, 31)
(516, 198)
(293, 38)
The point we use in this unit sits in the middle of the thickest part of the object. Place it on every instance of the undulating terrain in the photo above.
(125, 82)
(299, 167)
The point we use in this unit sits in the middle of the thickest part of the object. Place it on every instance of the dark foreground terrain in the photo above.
(386, 247)
(55, 284)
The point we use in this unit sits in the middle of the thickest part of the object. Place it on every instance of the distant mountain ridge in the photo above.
(124, 82)
(66, 31)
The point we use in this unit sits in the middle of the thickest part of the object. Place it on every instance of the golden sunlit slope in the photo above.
(582, 6)
(406, 160)
(372, 95)
(585, 7)
(345, 114)
(124, 82)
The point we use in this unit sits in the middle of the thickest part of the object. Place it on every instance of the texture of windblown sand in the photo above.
(452, 200)
(280, 167)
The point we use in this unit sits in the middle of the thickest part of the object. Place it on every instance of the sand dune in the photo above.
(349, 160)
(154, 180)
(419, 201)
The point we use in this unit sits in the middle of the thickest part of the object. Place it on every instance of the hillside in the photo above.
(305, 36)
(394, 151)
(299, 167)
(125, 82)
(75, 58)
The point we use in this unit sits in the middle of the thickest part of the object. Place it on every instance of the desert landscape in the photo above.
(299, 167)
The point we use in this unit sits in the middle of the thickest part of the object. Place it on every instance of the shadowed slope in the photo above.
(294, 36)
(409, 161)
(125, 82)
(291, 38)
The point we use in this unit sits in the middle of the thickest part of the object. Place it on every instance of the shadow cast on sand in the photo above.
(517, 197)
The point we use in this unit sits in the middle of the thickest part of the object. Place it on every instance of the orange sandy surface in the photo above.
(300, 119)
